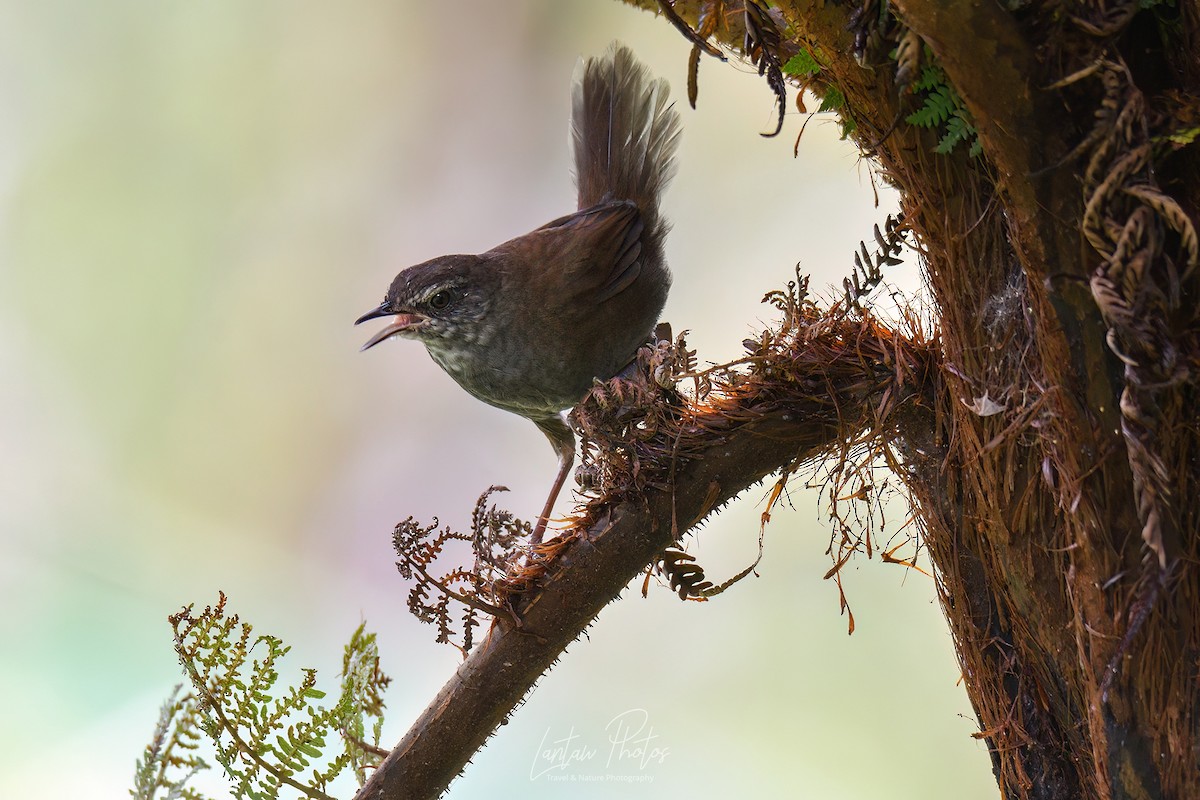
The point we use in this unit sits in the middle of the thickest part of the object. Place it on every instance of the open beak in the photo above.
(401, 324)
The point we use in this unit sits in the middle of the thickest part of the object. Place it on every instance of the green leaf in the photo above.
(1186, 136)
(802, 65)
(931, 76)
(833, 100)
(955, 132)
(942, 109)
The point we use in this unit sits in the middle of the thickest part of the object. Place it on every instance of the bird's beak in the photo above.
(374, 313)
(401, 324)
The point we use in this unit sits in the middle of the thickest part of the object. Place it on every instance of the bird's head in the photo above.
(440, 302)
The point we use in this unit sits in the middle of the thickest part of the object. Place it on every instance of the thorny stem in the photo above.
(733, 440)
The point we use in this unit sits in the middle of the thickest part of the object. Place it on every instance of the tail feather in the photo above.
(624, 133)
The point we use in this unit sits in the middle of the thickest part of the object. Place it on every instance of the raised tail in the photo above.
(624, 132)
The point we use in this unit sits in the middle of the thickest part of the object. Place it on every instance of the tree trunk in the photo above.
(1061, 260)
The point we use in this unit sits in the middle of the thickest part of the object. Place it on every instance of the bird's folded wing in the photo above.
(596, 251)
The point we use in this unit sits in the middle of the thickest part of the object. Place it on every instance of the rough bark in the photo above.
(1063, 529)
(591, 569)
(810, 387)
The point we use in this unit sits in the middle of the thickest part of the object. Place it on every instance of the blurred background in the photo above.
(199, 198)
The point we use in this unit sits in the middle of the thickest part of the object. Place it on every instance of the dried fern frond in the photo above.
(868, 268)
(496, 540)
(762, 47)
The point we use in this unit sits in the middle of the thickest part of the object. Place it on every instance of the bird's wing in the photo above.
(595, 252)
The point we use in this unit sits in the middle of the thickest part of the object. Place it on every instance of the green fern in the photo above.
(1183, 137)
(170, 760)
(264, 737)
(802, 65)
(942, 110)
(834, 100)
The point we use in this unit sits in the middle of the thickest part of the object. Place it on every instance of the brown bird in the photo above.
(530, 324)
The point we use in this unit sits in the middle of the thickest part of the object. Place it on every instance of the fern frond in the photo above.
(942, 109)
(497, 543)
(169, 760)
(264, 736)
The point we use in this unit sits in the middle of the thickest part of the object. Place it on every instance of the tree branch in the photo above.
(810, 388)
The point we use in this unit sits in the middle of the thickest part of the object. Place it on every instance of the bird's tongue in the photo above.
(399, 324)
(406, 320)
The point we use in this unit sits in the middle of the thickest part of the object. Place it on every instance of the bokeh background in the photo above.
(198, 199)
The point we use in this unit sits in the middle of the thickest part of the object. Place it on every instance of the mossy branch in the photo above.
(802, 391)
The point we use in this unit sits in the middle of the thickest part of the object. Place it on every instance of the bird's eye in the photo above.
(440, 300)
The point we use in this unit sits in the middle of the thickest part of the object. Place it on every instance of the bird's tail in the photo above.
(624, 132)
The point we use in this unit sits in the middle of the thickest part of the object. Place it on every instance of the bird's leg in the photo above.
(562, 439)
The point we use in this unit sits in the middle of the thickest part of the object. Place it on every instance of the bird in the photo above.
(531, 324)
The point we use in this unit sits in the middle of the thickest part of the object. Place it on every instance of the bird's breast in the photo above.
(503, 379)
